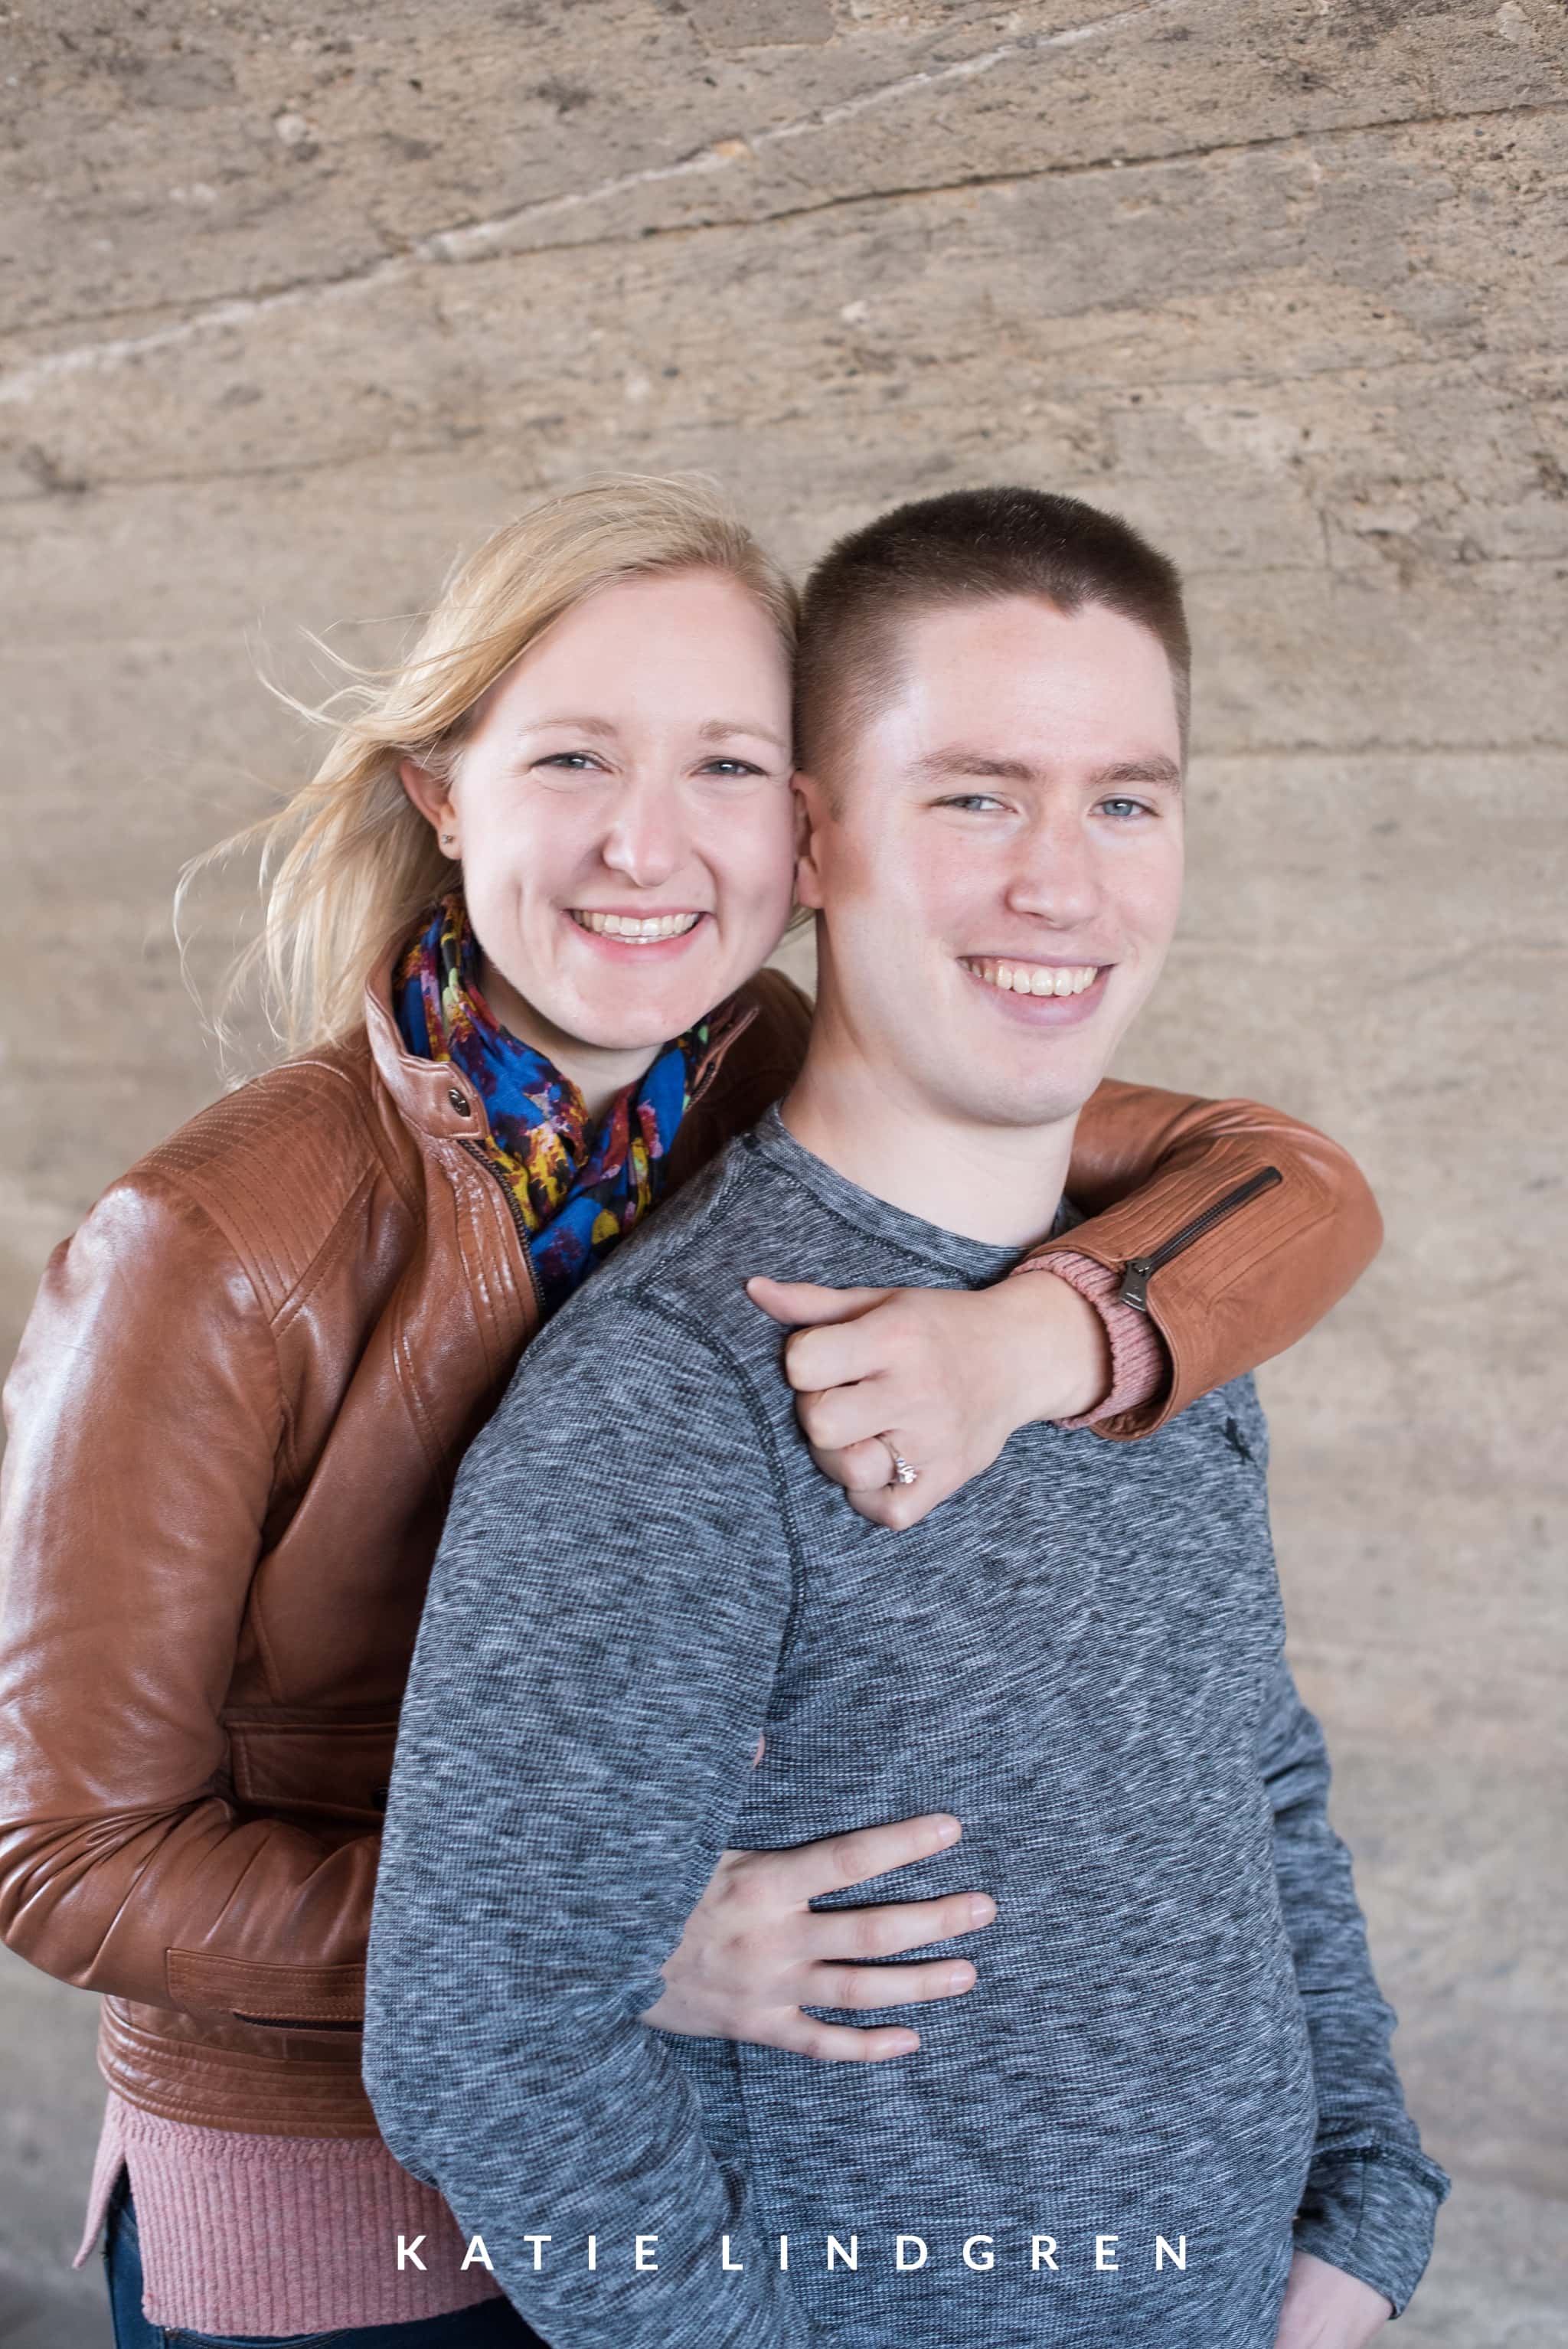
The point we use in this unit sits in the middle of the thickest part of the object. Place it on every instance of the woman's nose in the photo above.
(646, 840)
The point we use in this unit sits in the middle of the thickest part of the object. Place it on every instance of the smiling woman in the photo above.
(623, 871)
(514, 926)
(571, 652)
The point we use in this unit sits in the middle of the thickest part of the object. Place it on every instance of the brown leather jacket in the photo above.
(235, 1418)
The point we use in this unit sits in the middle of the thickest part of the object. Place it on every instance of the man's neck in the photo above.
(996, 1183)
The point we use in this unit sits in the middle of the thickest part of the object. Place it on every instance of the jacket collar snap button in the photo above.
(460, 1101)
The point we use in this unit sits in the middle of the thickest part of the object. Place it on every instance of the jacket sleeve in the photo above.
(145, 1416)
(1147, 1165)
(592, 1672)
(1265, 1264)
(1372, 2195)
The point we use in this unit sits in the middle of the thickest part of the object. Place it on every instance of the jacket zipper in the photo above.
(1135, 1280)
(476, 1150)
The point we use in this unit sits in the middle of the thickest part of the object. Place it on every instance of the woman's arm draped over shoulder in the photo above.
(1148, 1167)
(1262, 1222)
(146, 1417)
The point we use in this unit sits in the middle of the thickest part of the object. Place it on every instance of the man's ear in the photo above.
(431, 794)
(811, 813)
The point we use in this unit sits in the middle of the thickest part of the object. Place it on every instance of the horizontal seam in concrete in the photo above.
(1372, 749)
(1066, 387)
(442, 245)
(1376, 747)
(272, 469)
(1093, 168)
(1262, 947)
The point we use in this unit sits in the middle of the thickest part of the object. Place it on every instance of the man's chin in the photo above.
(1044, 1111)
(1015, 1106)
(1037, 1089)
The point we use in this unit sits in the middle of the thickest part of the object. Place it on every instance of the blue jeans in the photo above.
(490, 2325)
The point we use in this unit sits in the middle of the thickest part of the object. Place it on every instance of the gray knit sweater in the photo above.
(1175, 2063)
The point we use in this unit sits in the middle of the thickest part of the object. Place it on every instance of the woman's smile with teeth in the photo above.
(636, 928)
(1033, 977)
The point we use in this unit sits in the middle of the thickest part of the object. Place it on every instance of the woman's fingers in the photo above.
(894, 1926)
(899, 1507)
(857, 1467)
(833, 1862)
(868, 1986)
(841, 2043)
(806, 1304)
(844, 1415)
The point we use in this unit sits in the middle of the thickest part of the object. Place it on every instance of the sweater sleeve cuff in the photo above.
(1138, 1364)
(1371, 2213)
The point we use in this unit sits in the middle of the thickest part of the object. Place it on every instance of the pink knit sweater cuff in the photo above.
(1139, 1363)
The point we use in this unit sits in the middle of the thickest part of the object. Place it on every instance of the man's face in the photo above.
(996, 858)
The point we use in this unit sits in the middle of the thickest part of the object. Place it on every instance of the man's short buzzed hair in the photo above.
(970, 545)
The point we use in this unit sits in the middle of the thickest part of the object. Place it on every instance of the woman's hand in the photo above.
(753, 1954)
(944, 1374)
(1326, 2308)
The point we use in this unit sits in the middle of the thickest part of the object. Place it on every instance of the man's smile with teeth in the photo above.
(1033, 977)
(636, 928)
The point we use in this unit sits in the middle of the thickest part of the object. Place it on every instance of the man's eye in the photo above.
(968, 800)
(1122, 809)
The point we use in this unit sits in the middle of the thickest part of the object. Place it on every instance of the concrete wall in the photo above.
(301, 299)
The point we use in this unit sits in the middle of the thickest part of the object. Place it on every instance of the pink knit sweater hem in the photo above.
(1139, 1363)
(278, 2234)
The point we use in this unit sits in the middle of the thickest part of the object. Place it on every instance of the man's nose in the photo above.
(1054, 877)
(647, 837)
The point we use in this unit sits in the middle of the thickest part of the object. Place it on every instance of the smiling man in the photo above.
(1167, 2112)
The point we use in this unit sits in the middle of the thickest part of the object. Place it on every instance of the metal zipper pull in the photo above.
(1134, 1287)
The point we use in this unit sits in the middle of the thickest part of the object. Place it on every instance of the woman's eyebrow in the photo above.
(719, 729)
(713, 729)
(599, 726)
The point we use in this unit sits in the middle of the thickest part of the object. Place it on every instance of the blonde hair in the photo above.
(349, 864)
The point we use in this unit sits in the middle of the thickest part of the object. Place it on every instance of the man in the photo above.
(1168, 2097)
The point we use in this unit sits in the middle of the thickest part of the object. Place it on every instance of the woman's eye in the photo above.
(730, 767)
(577, 761)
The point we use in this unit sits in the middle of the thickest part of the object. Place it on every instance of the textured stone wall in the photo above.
(298, 301)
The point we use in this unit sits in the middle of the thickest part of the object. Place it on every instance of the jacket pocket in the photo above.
(308, 1998)
(311, 1770)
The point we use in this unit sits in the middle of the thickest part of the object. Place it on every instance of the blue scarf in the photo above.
(577, 1189)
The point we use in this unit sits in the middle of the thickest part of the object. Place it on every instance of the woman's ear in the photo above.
(431, 794)
(810, 806)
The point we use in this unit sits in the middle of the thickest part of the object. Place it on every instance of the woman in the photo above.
(516, 937)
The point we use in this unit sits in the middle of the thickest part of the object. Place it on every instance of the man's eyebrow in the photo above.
(957, 763)
(940, 765)
(1139, 771)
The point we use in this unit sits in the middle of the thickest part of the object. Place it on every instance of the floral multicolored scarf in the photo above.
(577, 1189)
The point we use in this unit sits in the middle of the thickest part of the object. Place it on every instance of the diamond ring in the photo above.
(903, 1473)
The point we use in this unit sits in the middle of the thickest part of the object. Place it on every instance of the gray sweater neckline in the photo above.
(975, 1262)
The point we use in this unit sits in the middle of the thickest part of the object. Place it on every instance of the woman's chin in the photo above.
(641, 1011)
(655, 1024)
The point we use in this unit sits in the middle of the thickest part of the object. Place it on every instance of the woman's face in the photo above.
(624, 815)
